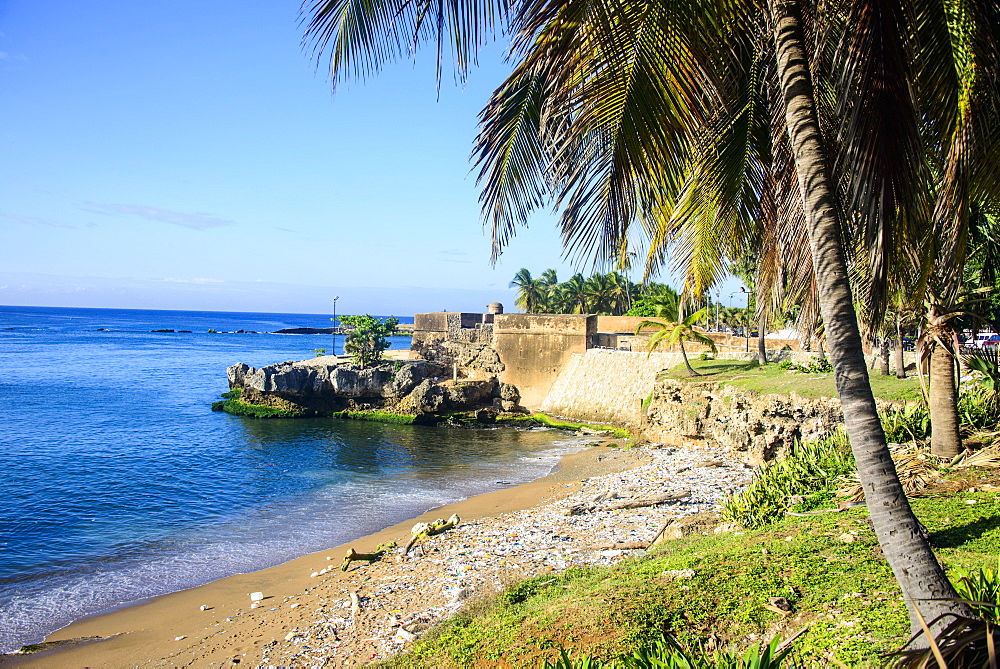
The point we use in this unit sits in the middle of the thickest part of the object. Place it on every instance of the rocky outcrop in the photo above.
(410, 388)
(756, 427)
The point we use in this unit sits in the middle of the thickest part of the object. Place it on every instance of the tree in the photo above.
(922, 579)
(677, 333)
(609, 99)
(531, 292)
(368, 338)
(660, 301)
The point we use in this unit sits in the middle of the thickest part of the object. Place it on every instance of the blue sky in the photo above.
(190, 155)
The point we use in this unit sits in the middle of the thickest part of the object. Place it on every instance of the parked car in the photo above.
(984, 340)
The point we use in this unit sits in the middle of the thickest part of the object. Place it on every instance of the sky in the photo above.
(191, 155)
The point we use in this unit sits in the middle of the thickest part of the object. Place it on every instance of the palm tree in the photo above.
(530, 291)
(600, 294)
(622, 293)
(603, 112)
(574, 295)
(671, 333)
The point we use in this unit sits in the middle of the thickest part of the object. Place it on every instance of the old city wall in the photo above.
(606, 386)
(534, 348)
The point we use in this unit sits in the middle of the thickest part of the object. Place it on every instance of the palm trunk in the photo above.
(898, 352)
(686, 363)
(883, 357)
(921, 578)
(761, 344)
(942, 402)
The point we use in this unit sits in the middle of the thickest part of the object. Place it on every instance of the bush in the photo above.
(911, 423)
(805, 479)
(981, 589)
(977, 408)
(368, 337)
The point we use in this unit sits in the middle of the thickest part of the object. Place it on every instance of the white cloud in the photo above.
(195, 221)
(171, 280)
(34, 220)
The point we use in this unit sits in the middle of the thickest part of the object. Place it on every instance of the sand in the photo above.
(311, 619)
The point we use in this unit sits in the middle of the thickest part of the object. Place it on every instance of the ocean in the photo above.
(121, 484)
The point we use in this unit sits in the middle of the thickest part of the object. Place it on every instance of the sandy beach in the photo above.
(574, 516)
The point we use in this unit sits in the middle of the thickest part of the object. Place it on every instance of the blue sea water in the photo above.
(120, 484)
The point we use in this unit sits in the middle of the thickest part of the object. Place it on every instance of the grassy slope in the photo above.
(748, 376)
(844, 592)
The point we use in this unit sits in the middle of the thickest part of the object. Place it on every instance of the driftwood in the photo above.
(424, 530)
(353, 555)
(635, 503)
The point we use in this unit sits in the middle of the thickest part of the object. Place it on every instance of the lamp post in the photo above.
(717, 298)
(746, 327)
(333, 351)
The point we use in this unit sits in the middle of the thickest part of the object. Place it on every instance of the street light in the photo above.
(717, 298)
(746, 328)
(334, 319)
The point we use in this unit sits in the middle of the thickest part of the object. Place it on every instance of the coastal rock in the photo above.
(754, 426)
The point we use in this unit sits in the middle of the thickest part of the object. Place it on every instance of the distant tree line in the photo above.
(611, 294)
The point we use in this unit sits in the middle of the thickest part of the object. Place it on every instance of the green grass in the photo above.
(377, 417)
(233, 405)
(747, 375)
(844, 592)
(548, 421)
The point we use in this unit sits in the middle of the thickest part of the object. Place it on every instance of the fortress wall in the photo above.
(606, 386)
(534, 348)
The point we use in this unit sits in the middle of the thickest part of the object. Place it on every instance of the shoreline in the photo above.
(128, 633)
(373, 611)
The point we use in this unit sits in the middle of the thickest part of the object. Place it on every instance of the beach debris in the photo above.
(204, 607)
(254, 605)
(424, 530)
(256, 596)
(353, 555)
(404, 636)
(633, 503)
(179, 638)
(355, 604)
(293, 606)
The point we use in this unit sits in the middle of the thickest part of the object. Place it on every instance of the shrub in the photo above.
(911, 423)
(981, 589)
(977, 408)
(804, 479)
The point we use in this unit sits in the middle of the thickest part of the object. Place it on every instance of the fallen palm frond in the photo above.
(987, 457)
(963, 644)
(916, 469)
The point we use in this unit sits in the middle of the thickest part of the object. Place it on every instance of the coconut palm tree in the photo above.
(530, 291)
(671, 333)
(608, 99)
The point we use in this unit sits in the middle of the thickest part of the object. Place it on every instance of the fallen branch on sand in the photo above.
(353, 555)
(424, 530)
(637, 503)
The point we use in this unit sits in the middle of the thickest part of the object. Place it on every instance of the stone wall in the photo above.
(450, 338)
(606, 386)
(534, 348)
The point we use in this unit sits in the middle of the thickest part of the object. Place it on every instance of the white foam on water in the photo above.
(34, 607)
